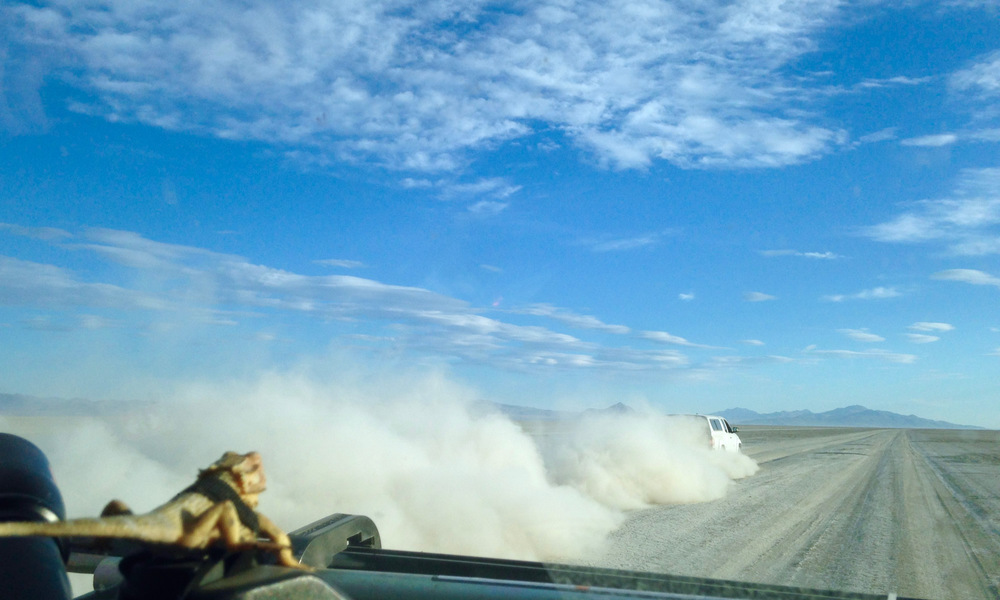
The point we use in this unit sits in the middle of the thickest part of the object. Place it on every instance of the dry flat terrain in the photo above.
(912, 512)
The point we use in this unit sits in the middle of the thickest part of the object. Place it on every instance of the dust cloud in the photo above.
(632, 461)
(432, 467)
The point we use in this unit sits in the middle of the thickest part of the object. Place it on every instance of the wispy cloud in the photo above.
(744, 361)
(972, 276)
(687, 297)
(931, 326)
(861, 335)
(40, 233)
(877, 293)
(758, 297)
(981, 78)
(882, 135)
(411, 183)
(977, 88)
(623, 244)
(418, 86)
(173, 284)
(664, 337)
(985, 135)
(753, 342)
(488, 208)
(573, 319)
(884, 355)
(820, 255)
(497, 188)
(921, 338)
(25, 283)
(967, 223)
(931, 141)
(341, 263)
(667, 338)
(899, 80)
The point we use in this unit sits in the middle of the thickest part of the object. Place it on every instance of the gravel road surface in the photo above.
(911, 512)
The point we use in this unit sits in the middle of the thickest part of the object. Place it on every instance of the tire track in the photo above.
(861, 510)
(979, 535)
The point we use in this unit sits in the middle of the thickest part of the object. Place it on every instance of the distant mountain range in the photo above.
(527, 413)
(849, 416)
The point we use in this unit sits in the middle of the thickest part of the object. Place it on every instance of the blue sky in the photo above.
(699, 205)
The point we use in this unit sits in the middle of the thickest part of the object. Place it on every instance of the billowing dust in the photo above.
(436, 470)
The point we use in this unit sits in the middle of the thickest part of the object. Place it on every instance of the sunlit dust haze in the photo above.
(631, 461)
(435, 468)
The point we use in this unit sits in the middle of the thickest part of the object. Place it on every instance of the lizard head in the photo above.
(244, 471)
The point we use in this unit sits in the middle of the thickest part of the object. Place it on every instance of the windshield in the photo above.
(451, 265)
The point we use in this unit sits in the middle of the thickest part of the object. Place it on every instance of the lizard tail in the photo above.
(30, 528)
(121, 527)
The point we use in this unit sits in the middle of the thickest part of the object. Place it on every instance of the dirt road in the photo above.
(912, 512)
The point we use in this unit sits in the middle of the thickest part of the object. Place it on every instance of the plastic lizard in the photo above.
(217, 508)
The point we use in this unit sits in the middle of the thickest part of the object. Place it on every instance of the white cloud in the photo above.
(411, 183)
(739, 361)
(931, 141)
(665, 338)
(614, 360)
(882, 83)
(877, 293)
(921, 338)
(821, 255)
(753, 342)
(191, 285)
(493, 187)
(931, 326)
(985, 135)
(971, 4)
(174, 284)
(889, 133)
(978, 182)
(488, 208)
(897, 81)
(342, 263)
(40, 233)
(861, 335)
(967, 276)
(982, 78)
(968, 223)
(572, 319)
(402, 84)
(685, 297)
(884, 355)
(25, 283)
(758, 297)
(622, 244)
(905, 228)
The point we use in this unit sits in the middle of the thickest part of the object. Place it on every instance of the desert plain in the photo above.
(915, 513)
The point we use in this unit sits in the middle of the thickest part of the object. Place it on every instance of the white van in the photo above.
(720, 434)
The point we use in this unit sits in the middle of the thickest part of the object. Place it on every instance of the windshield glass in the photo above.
(451, 265)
